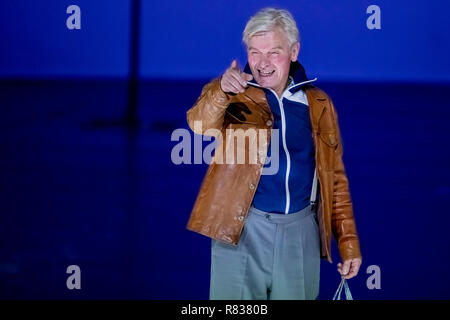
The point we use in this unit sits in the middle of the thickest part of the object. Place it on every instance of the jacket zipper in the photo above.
(286, 151)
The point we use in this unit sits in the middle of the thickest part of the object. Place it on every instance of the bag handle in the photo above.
(348, 294)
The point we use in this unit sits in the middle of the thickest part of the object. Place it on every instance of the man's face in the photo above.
(269, 57)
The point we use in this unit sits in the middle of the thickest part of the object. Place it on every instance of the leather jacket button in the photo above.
(252, 186)
(269, 123)
(240, 218)
(332, 140)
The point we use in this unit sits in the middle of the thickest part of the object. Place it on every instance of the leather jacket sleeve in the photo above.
(343, 222)
(209, 108)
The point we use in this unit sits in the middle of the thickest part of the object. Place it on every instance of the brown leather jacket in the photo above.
(227, 190)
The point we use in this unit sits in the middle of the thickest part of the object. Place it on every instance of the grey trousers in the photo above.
(278, 257)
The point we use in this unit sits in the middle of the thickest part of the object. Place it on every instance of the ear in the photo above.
(295, 49)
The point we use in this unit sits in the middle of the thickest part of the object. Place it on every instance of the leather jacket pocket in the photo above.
(329, 138)
(327, 149)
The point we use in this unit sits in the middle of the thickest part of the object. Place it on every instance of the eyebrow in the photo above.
(274, 48)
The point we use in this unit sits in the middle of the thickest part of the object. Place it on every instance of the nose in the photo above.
(264, 62)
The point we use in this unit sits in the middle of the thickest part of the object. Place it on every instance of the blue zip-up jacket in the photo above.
(289, 190)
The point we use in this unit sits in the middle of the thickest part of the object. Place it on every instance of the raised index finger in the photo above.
(234, 65)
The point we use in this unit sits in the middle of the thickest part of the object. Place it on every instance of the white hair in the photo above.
(267, 19)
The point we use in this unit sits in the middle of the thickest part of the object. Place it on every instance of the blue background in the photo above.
(79, 187)
(198, 39)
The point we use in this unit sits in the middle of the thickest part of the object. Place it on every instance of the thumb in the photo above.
(346, 267)
(247, 76)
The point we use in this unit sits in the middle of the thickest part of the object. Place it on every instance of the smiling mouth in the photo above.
(266, 73)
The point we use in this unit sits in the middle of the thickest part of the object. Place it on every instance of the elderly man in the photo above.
(269, 231)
